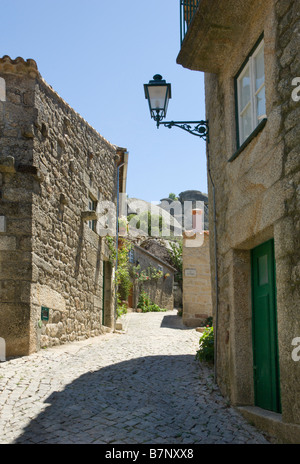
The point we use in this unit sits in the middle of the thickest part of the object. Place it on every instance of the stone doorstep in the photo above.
(121, 323)
(106, 329)
(271, 423)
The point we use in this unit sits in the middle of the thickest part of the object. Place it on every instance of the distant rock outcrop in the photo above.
(192, 196)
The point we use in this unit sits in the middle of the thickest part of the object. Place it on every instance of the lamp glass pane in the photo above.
(157, 97)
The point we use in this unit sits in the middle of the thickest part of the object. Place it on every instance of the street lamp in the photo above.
(158, 94)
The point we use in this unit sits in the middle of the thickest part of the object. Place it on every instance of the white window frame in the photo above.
(255, 120)
(92, 207)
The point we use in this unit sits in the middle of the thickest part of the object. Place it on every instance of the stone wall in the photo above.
(257, 198)
(17, 185)
(159, 290)
(287, 228)
(52, 163)
(197, 304)
(256, 190)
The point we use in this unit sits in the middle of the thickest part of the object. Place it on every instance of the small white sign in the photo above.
(2, 350)
(2, 89)
(190, 273)
(2, 224)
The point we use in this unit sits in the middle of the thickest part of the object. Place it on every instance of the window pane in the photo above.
(246, 124)
(261, 103)
(259, 69)
(251, 94)
(263, 270)
(245, 89)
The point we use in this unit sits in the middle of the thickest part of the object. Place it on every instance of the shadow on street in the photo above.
(173, 321)
(140, 398)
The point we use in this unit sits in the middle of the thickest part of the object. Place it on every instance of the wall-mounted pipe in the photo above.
(216, 271)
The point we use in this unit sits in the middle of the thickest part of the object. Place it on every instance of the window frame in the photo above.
(257, 125)
(92, 206)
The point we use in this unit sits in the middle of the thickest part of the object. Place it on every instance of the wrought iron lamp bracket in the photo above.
(198, 128)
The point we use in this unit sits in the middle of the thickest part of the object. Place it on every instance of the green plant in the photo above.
(176, 257)
(146, 274)
(150, 224)
(206, 346)
(155, 273)
(122, 277)
(111, 243)
(143, 276)
(155, 308)
(208, 322)
(121, 308)
(146, 305)
(144, 301)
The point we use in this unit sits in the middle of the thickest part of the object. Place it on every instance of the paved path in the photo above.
(140, 386)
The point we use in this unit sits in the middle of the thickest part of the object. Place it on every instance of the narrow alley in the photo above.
(140, 386)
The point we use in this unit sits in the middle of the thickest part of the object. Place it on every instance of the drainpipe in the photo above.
(117, 234)
(216, 269)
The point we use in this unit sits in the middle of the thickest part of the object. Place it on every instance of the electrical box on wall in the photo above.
(44, 313)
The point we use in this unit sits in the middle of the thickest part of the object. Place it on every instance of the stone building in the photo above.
(249, 52)
(56, 280)
(196, 280)
(159, 289)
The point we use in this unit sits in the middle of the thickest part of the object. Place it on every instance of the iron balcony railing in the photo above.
(187, 11)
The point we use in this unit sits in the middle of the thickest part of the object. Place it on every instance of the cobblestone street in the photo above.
(139, 386)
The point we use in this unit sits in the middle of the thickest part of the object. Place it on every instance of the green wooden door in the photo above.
(264, 328)
(103, 292)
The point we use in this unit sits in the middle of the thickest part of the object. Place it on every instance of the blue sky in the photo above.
(97, 54)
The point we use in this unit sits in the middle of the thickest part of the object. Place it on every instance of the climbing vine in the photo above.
(176, 257)
(151, 273)
(122, 278)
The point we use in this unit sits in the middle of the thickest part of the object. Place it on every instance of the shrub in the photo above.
(208, 322)
(121, 308)
(122, 277)
(176, 257)
(146, 305)
(206, 346)
(154, 308)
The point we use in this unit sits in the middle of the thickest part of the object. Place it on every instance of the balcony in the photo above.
(187, 11)
(210, 30)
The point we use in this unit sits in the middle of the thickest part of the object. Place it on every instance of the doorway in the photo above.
(264, 328)
(107, 295)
